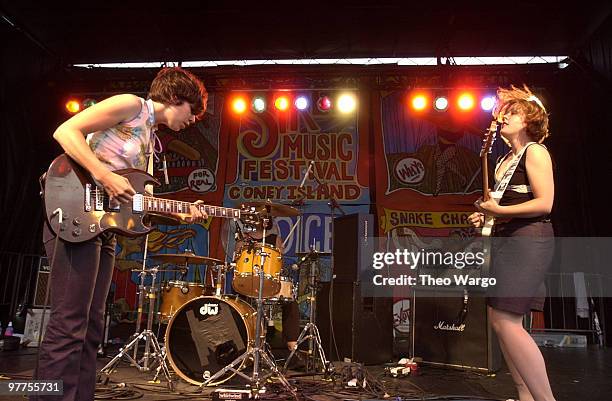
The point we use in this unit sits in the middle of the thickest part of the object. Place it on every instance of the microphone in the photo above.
(295, 267)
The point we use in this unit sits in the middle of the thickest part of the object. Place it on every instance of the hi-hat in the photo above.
(313, 254)
(272, 209)
(185, 259)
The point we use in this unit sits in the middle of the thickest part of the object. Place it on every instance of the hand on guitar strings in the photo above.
(117, 187)
(489, 207)
(476, 219)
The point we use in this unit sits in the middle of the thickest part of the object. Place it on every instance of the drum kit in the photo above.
(211, 336)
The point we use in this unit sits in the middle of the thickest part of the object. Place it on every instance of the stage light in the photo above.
(73, 106)
(282, 103)
(465, 101)
(487, 103)
(88, 103)
(301, 103)
(441, 103)
(347, 103)
(239, 105)
(259, 104)
(324, 103)
(419, 102)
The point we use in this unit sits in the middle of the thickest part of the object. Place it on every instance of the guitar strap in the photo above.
(152, 140)
(502, 185)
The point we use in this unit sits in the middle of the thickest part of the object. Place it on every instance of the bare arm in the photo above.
(71, 136)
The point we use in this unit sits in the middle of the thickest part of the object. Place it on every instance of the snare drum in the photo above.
(177, 293)
(246, 279)
(208, 333)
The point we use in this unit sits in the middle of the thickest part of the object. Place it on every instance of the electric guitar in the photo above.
(488, 141)
(87, 211)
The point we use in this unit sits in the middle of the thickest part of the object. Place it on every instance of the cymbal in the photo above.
(186, 258)
(272, 209)
(313, 253)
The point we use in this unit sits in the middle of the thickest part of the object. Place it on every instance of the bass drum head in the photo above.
(206, 334)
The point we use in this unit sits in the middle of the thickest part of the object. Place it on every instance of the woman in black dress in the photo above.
(524, 252)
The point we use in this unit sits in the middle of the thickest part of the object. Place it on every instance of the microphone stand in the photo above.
(333, 205)
(299, 219)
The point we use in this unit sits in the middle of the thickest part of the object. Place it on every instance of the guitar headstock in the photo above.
(491, 135)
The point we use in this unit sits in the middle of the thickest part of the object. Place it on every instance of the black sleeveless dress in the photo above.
(522, 252)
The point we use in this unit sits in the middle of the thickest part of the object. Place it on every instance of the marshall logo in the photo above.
(209, 309)
(442, 325)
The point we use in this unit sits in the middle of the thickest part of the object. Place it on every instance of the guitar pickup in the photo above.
(88, 197)
(99, 199)
(137, 203)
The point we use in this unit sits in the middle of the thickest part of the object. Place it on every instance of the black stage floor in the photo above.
(575, 373)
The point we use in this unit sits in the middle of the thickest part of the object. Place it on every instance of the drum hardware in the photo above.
(257, 351)
(310, 332)
(153, 353)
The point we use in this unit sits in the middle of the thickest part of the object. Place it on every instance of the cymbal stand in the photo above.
(256, 352)
(310, 332)
(153, 353)
(299, 203)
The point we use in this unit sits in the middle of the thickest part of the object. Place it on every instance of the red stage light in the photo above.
(73, 106)
(466, 101)
(239, 105)
(419, 102)
(324, 103)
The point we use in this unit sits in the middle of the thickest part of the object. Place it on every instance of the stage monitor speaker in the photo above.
(363, 327)
(43, 276)
(350, 233)
(451, 330)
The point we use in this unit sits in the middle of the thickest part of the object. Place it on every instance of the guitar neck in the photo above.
(169, 206)
(485, 178)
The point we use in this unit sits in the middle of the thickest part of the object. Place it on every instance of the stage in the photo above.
(575, 374)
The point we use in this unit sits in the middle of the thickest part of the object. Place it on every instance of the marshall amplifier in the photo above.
(450, 328)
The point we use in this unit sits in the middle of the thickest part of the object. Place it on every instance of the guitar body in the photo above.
(86, 210)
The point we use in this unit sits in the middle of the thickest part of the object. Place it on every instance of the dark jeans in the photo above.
(80, 281)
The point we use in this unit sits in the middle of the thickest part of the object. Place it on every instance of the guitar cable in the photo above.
(59, 213)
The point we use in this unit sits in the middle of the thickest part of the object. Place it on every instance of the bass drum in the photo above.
(206, 334)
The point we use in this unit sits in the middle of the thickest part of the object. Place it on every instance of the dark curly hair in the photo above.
(524, 102)
(174, 85)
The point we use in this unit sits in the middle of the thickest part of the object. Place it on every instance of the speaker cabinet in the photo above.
(42, 278)
(351, 232)
(451, 329)
(362, 327)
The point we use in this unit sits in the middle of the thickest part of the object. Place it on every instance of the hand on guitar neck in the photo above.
(196, 214)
